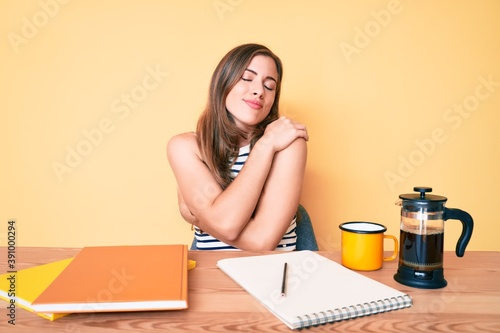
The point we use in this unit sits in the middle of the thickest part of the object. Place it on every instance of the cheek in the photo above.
(270, 100)
(230, 100)
(234, 94)
(238, 90)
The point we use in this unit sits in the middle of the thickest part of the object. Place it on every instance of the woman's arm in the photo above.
(224, 214)
(184, 210)
(278, 202)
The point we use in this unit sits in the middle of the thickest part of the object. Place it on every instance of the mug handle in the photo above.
(395, 253)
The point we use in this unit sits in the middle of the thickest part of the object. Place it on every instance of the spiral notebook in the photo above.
(318, 290)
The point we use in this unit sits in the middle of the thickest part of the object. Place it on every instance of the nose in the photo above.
(257, 90)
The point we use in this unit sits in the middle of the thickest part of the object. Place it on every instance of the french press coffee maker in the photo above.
(422, 238)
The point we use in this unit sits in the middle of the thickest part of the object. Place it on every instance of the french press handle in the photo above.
(467, 227)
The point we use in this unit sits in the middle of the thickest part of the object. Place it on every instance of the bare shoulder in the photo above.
(183, 140)
(295, 154)
(299, 144)
(297, 149)
(181, 144)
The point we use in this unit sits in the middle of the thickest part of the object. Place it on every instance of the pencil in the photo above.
(283, 283)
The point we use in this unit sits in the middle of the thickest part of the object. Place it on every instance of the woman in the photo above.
(241, 125)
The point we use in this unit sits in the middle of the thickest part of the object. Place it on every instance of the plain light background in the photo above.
(395, 94)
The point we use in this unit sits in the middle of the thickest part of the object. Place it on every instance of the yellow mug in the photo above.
(363, 245)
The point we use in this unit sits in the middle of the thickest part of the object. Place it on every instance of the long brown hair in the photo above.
(218, 135)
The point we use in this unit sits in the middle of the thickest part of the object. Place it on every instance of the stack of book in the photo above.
(103, 279)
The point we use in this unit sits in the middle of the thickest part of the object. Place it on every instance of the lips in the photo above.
(253, 104)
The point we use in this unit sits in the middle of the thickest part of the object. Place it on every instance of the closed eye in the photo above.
(249, 80)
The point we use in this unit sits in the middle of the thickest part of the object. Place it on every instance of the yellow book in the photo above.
(26, 285)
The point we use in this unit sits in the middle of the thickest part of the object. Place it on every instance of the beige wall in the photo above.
(395, 94)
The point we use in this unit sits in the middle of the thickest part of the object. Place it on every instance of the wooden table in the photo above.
(470, 302)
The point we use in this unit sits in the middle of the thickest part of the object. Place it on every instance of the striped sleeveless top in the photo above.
(205, 241)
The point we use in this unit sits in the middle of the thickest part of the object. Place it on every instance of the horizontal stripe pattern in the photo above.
(204, 241)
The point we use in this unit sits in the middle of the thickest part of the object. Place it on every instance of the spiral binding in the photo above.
(354, 311)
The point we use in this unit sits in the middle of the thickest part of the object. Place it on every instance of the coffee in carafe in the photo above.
(422, 250)
(422, 238)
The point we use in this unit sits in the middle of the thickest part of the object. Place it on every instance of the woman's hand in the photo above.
(282, 132)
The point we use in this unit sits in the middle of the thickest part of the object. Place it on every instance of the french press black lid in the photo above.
(422, 197)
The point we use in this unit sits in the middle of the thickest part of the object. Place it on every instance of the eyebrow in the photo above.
(254, 72)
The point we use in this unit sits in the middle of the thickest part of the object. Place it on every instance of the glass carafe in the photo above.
(422, 238)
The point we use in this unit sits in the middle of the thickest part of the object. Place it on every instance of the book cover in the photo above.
(26, 285)
(317, 289)
(120, 278)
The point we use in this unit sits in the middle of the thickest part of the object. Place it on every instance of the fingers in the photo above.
(282, 132)
(300, 128)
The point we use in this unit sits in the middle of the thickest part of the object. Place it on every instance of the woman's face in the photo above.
(251, 99)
